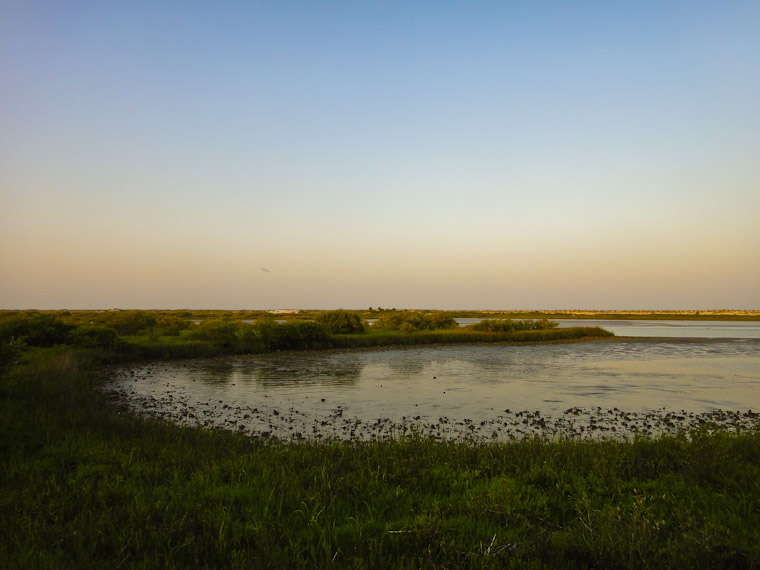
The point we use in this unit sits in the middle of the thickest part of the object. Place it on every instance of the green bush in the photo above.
(510, 325)
(171, 325)
(409, 321)
(223, 332)
(95, 337)
(440, 320)
(129, 323)
(36, 329)
(341, 322)
(293, 335)
(10, 350)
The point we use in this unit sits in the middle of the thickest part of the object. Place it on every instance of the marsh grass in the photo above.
(84, 487)
(458, 336)
(292, 337)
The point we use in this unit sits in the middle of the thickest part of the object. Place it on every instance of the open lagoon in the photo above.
(671, 329)
(611, 388)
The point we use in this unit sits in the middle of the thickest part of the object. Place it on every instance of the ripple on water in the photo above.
(400, 390)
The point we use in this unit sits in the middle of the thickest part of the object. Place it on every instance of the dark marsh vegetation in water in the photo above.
(84, 487)
(128, 335)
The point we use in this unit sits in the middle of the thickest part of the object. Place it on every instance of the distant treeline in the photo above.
(372, 313)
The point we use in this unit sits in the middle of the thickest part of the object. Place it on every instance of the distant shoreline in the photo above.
(686, 315)
(711, 315)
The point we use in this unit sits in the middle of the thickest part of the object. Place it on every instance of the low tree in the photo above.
(295, 335)
(341, 322)
(129, 323)
(171, 325)
(413, 321)
(10, 351)
(36, 329)
(222, 332)
(95, 336)
(509, 325)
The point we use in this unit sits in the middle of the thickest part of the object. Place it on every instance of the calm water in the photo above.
(460, 387)
(671, 329)
(661, 328)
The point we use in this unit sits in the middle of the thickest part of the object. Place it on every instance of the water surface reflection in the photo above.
(455, 391)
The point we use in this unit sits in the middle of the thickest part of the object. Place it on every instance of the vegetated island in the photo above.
(134, 334)
(671, 315)
(84, 487)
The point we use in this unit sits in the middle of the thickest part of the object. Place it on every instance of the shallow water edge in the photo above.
(613, 388)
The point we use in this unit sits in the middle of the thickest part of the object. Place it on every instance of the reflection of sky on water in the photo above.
(671, 329)
(656, 328)
(472, 381)
(264, 372)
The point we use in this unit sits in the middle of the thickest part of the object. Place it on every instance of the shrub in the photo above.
(95, 337)
(129, 322)
(36, 329)
(408, 322)
(171, 325)
(510, 325)
(341, 322)
(441, 320)
(293, 335)
(222, 332)
(10, 350)
(389, 322)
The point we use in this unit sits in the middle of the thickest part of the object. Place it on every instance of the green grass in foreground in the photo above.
(81, 487)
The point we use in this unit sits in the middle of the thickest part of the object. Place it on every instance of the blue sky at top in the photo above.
(317, 155)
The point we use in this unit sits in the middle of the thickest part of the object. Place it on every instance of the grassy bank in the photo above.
(143, 335)
(136, 348)
(392, 338)
(141, 348)
(81, 487)
(719, 315)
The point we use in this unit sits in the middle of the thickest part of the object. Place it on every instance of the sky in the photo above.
(321, 155)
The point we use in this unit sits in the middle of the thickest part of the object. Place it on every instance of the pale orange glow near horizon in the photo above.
(582, 163)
